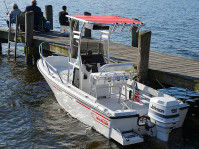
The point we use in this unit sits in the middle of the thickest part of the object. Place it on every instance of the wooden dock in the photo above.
(168, 69)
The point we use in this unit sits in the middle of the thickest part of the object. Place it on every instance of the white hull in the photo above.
(91, 115)
(118, 124)
(105, 95)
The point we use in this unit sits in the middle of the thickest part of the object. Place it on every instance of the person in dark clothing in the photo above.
(33, 7)
(63, 20)
(38, 14)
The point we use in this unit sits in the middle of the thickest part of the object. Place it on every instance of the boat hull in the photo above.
(110, 127)
(120, 127)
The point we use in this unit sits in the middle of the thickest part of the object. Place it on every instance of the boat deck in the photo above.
(117, 107)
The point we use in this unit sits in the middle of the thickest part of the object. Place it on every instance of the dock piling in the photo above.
(87, 33)
(143, 54)
(29, 26)
(134, 36)
(49, 15)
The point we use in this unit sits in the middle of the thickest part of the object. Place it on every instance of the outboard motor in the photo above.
(164, 113)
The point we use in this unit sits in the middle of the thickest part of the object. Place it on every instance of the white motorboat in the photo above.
(103, 94)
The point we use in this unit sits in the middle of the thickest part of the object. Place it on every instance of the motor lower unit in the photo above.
(164, 113)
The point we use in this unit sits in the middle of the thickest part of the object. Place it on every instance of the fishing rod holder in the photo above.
(123, 26)
(114, 27)
(139, 27)
(131, 27)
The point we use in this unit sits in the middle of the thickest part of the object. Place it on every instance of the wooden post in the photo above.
(29, 26)
(36, 55)
(134, 36)
(143, 54)
(87, 33)
(74, 49)
(49, 15)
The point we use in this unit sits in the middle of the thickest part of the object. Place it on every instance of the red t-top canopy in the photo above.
(106, 19)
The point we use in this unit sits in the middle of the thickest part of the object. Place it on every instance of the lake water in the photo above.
(30, 116)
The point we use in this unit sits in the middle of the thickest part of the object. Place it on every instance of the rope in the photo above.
(170, 92)
(163, 86)
(160, 83)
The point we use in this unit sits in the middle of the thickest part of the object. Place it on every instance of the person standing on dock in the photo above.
(63, 20)
(15, 11)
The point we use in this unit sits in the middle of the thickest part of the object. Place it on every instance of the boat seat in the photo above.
(116, 77)
(110, 79)
(103, 82)
(112, 73)
(116, 67)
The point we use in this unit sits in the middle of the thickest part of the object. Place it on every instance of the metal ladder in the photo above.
(15, 37)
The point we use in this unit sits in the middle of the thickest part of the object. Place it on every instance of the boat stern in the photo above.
(125, 137)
